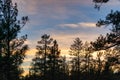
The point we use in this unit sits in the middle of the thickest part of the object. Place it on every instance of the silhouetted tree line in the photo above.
(97, 60)
(86, 62)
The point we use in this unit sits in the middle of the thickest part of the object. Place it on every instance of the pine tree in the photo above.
(87, 61)
(53, 61)
(100, 43)
(98, 3)
(75, 50)
(39, 64)
(48, 64)
(12, 48)
(111, 39)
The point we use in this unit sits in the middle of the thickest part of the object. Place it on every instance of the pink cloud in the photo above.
(48, 6)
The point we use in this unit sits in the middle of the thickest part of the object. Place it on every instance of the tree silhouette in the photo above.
(98, 3)
(87, 61)
(112, 59)
(39, 64)
(64, 69)
(110, 40)
(12, 48)
(100, 43)
(75, 50)
(47, 64)
(54, 62)
(113, 38)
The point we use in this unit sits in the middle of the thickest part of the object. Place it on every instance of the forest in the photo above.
(95, 60)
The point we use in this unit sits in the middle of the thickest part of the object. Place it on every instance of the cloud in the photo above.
(69, 25)
(87, 24)
(27, 7)
(81, 24)
(66, 39)
(55, 8)
(49, 8)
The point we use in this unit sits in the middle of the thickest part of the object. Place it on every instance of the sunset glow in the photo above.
(63, 20)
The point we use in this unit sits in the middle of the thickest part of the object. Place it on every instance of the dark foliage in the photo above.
(12, 48)
(98, 3)
(110, 40)
(47, 64)
(87, 68)
(113, 38)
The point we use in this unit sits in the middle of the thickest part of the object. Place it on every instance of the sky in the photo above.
(63, 20)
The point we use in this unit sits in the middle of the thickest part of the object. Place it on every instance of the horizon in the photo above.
(61, 20)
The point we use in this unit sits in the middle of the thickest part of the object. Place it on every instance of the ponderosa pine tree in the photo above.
(113, 38)
(75, 50)
(39, 64)
(110, 40)
(12, 48)
(47, 64)
(100, 43)
(57, 67)
(87, 61)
